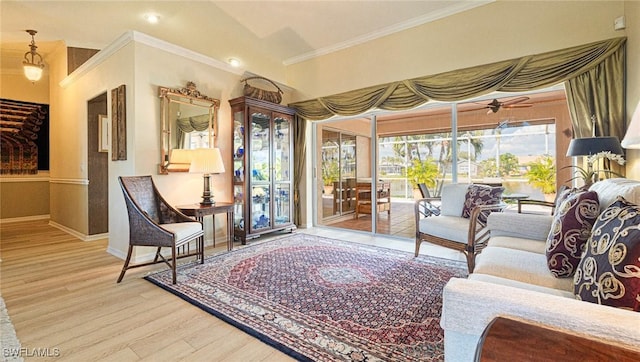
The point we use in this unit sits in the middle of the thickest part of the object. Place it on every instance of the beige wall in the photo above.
(497, 31)
(24, 197)
(15, 86)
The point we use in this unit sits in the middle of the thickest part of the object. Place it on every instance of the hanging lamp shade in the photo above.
(33, 64)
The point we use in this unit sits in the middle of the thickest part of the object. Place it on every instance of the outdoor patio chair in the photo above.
(153, 222)
(430, 205)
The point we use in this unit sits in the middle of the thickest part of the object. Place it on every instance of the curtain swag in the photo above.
(515, 75)
(197, 123)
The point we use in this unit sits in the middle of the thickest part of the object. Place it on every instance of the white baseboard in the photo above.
(81, 236)
(24, 218)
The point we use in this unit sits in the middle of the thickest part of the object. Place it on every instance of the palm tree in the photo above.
(542, 174)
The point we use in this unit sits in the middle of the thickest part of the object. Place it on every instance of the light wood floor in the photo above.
(61, 293)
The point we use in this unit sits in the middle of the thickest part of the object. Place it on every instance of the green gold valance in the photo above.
(515, 75)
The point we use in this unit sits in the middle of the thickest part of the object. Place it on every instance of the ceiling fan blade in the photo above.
(518, 105)
(515, 100)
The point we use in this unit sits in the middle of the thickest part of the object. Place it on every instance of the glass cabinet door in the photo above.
(260, 162)
(282, 155)
(238, 169)
(260, 165)
(260, 208)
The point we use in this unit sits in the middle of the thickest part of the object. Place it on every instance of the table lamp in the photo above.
(592, 145)
(632, 138)
(207, 161)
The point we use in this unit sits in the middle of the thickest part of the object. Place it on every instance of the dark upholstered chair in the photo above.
(153, 222)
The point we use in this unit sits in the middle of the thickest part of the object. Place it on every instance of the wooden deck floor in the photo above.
(399, 222)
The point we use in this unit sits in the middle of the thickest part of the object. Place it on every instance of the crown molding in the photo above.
(432, 16)
(142, 38)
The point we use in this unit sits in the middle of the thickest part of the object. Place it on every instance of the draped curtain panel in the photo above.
(599, 93)
(299, 151)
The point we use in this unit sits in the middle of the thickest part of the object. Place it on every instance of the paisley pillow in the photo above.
(478, 195)
(571, 227)
(609, 272)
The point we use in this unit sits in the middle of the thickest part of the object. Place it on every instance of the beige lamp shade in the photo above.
(180, 160)
(180, 155)
(206, 161)
(632, 138)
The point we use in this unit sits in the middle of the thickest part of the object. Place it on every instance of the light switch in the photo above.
(619, 23)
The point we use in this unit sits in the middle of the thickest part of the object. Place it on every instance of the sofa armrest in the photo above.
(528, 226)
(469, 306)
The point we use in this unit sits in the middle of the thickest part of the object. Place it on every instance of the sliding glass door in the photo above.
(470, 142)
(339, 166)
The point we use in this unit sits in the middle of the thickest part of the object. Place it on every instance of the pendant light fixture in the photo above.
(33, 64)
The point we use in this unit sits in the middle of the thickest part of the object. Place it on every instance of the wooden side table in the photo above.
(200, 211)
(506, 339)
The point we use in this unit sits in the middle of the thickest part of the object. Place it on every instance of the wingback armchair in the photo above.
(154, 222)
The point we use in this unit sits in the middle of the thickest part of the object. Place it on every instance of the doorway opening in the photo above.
(98, 165)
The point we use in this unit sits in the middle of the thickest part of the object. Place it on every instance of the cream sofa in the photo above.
(511, 279)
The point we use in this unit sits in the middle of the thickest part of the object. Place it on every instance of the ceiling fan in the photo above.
(495, 105)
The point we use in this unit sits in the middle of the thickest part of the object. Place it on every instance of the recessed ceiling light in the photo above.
(152, 18)
(234, 62)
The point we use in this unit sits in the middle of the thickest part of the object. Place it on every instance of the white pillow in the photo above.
(453, 197)
(608, 190)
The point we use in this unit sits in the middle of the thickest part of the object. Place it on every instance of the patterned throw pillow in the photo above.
(562, 195)
(478, 195)
(609, 272)
(570, 230)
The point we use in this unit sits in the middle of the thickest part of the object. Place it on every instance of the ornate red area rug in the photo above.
(320, 299)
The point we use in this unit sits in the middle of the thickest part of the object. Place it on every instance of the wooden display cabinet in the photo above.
(262, 167)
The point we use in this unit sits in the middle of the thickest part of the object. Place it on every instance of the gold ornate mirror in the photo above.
(189, 121)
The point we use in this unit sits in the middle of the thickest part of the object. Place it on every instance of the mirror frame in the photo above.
(188, 95)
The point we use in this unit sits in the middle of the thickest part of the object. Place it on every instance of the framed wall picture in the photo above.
(118, 124)
(103, 133)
